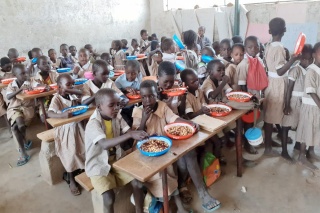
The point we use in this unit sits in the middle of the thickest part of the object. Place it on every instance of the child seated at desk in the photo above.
(69, 138)
(55, 62)
(83, 65)
(20, 113)
(32, 64)
(168, 50)
(73, 52)
(13, 54)
(134, 48)
(119, 54)
(104, 133)
(151, 117)
(130, 81)
(66, 60)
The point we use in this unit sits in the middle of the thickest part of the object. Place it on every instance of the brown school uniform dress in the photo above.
(273, 105)
(155, 124)
(308, 130)
(231, 72)
(69, 138)
(99, 161)
(242, 73)
(195, 102)
(118, 59)
(85, 68)
(208, 86)
(18, 108)
(153, 68)
(191, 59)
(3, 96)
(296, 74)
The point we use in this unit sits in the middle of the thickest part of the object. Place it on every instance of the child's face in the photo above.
(110, 106)
(64, 50)
(37, 54)
(192, 82)
(131, 73)
(306, 59)
(106, 58)
(6, 67)
(166, 81)
(145, 36)
(44, 65)
(173, 48)
(83, 57)
(73, 51)
(66, 83)
(21, 74)
(217, 71)
(102, 74)
(201, 32)
(252, 48)
(53, 55)
(135, 45)
(237, 55)
(90, 48)
(225, 50)
(149, 96)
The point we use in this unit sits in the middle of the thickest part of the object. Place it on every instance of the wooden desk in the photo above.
(3, 85)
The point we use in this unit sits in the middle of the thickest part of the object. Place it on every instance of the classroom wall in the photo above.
(49, 23)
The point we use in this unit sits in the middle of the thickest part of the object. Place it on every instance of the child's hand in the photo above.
(67, 114)
(76, 70)
(205, 110)
(287, 110)
(146, 113)
(196, 126)
(138, 135)
(131, 90)
(123, 102)
(225, 79)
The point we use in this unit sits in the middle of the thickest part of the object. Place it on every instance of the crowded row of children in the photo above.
(291, 99)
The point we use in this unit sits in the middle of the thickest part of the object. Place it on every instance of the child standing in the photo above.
(293, 97)
(66, 60)
(20, 113)
(5, 72)
(105, 131)
(93, 53)
(55, 62)
(237, 52)
(130, 81)
(32, 64)
(190, 38)
(225, 51)
(83, 65)
(144, 43)
(69, 138)
(308, 133)
(124, 44)
(154, 58)
(277, 66)
(168, 50)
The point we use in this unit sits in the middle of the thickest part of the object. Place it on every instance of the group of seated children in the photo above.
(287, 88)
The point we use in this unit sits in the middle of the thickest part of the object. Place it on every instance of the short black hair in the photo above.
(84, 50)
(154, 35)
(97, 64)
(87, 46)
(16, 67)
(43, 57)
(72, 46)
(124, 42)
(142, 32)
(162, 38)
(187, 72)
(117, 43)
(37, 49)
(154, 44)
(102, 93)
(237, 39)
(277, 26)
(12, 50)
(307, 48)
(190, 38)
(251, 38)
(134, 64)
(227, 41)
(30, 54)
(166, 44)
(4, 61)
(237, 45)
(50, 51)
(103, 55)
(208, 49)
(149, 84)
(212, 63)
(63, 45)
(62, 76)
(134, 41)
(316, 47)
(166, 68)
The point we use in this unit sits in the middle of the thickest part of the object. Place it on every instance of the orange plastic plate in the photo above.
(179, 137)
(300, 43)
(247, 99)
(175, 91)
(220, 114)
(8, 80)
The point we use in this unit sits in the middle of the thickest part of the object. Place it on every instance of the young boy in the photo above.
(93, 54)
(20, 113)
(55, 62)
(73, 52)
(104, 133)
(134, 48)
(237, 53)
(13, 54)
(124, 44)
(5, 72)
(107, 58)
(168, 50)
(144, 43)
(83, 65)
(66, 60)
(225, 51)
(130, 81)
(32, 64)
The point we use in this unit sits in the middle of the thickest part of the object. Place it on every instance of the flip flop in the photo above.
(28, 145)
(75, 192)
(212, 209)
(23, 160)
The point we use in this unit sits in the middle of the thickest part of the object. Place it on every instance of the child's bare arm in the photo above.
(146, 112)
(216, 92)
(109, 143)
(203, 110)
(52, 114)
(73, 91)
(316, 98)
(13, 94)
(287, 99)
(88, 100)
(287, 66)
(182, 106)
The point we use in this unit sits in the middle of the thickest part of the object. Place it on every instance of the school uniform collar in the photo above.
(96, 115)
(94, 88)
(304, 71)
(315, 68)
(276, 43)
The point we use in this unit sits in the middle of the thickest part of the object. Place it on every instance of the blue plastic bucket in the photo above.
(254, 136)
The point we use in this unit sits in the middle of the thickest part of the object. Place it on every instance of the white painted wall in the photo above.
(48, 23)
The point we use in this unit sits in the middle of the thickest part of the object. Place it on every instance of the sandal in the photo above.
(75, 192)
(215, 207)
(23, 160)
(185, 195)
(28, 145)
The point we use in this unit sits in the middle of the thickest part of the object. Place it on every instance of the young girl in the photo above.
(119, 54)
(237, 52)
(134, 48)
(69, 138)
(308, 133)
(225, 51)
(130, 81)
(294, 95)
(55, 62)
(277, 66)
(190, 38)
(83, 65)
(202, 66)
(66, 59)
(154, 58)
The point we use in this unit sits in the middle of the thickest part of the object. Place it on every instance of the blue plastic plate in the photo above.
(180, 65)
(62, 70)
(155, 154)
(34, 60)
(80, 81)
(111, 74)
(132, 57)
(78, 112)
(178, 41)
(206, 59)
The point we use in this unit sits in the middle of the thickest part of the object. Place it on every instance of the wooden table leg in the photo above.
(44, 113)
(165, 191)
(239, 147)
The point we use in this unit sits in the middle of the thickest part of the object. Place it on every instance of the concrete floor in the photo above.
(272, 186)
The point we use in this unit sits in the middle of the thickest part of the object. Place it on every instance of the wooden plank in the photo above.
(3, 85)
(84, 181)
(47, 136)
(23, 96)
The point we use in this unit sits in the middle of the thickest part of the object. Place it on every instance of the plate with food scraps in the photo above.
(80, 81)
(8, 80)
(219, 110)
(134, 96)
(53, 86)
(175, 91)
(239, 96)
(35, 90)
(77, 110)
(63, 70)
(154, 146)
(179, 131)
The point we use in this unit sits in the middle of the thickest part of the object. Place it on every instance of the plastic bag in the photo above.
(211, 169)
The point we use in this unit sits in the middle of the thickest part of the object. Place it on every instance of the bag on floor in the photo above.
(211, 169)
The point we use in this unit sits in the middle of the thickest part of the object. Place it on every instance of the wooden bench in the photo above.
(51, 166)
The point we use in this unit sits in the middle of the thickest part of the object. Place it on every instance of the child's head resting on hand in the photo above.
(216, 69)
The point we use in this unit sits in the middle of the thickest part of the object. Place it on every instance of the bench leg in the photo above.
(97, 202)
(51, 166)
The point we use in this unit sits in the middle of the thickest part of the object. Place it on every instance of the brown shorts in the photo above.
(17, 114)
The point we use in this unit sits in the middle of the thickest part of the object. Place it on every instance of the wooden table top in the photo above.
(3, 85)
(23, 96)
(55, 122)
(142, 167)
